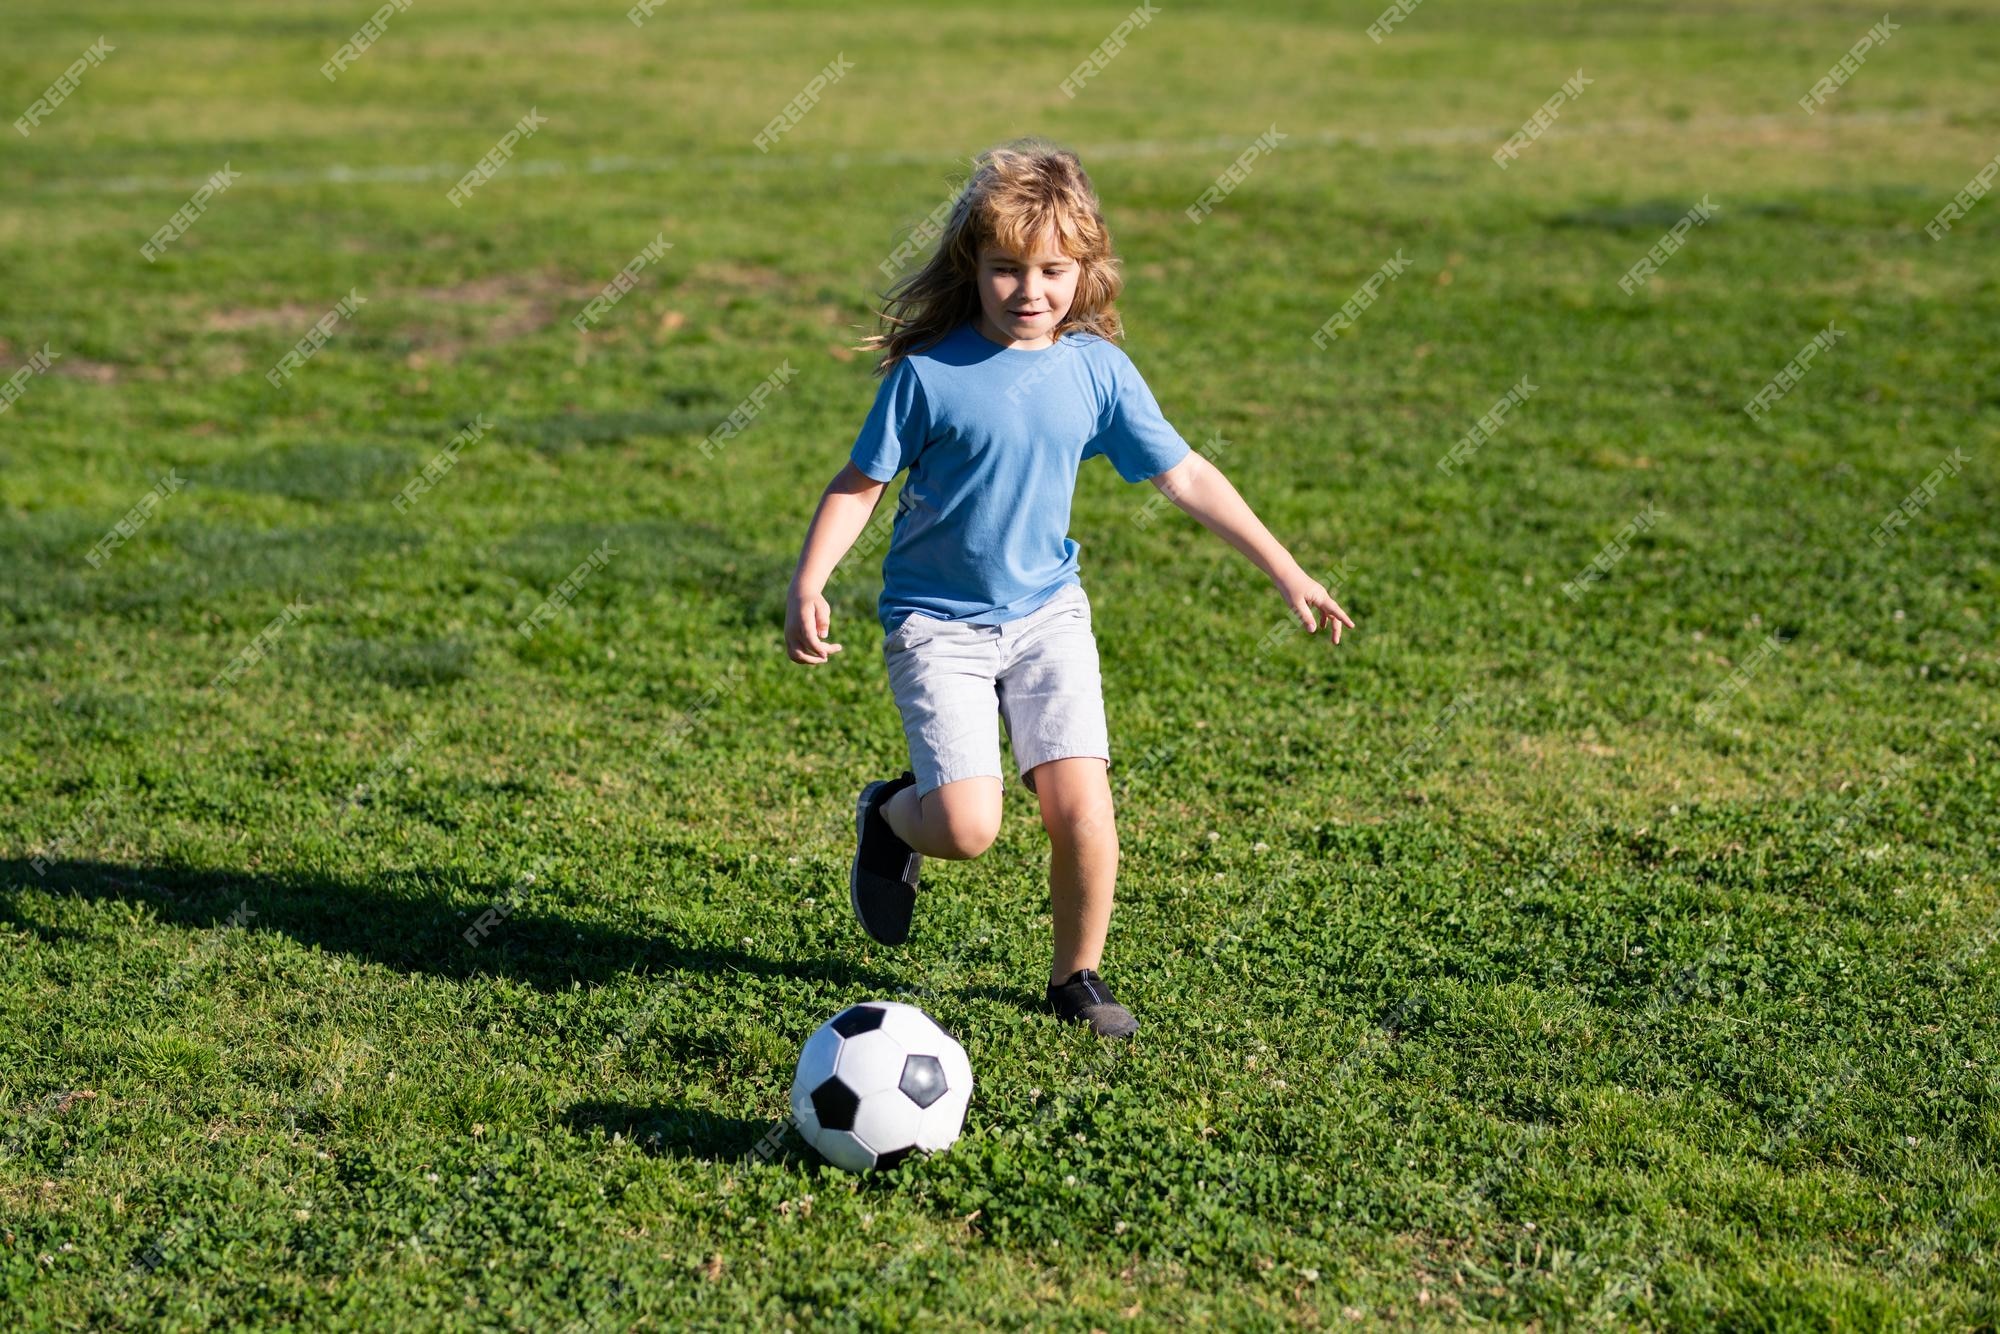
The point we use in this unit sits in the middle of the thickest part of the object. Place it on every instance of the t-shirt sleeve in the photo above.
(896, 427)
(1139, 441)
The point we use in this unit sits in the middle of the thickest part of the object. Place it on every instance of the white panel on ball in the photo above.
(843, 1150)
(942, 1121)
(887, 1121)
(803, 1115)
(869, 1062)
(816, 1061)
(912, 1028)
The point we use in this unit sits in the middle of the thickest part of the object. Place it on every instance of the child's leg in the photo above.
(955, 820)
(1075, 795)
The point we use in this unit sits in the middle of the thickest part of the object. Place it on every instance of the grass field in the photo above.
(1612, 960)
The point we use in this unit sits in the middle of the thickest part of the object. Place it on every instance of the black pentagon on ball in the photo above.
(923, 1080)
(835, 1105)
(859, 1019)
(885, 1161)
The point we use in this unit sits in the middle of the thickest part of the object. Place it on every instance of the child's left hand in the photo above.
(1307, 597)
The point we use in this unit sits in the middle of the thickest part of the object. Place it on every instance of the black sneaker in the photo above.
(1086, 999)
(883, 884)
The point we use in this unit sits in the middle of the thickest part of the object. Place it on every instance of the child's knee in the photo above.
(1080, 822)
(967, 822)
(970, 835)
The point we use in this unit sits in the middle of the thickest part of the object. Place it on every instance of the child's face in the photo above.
(1024, 297)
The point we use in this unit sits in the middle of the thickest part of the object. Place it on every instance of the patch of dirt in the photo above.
(79, 367)
(738, 278)
(479, 312)
(237, 318)
(521, 304)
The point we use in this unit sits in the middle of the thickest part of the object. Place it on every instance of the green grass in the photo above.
(1571, 1005)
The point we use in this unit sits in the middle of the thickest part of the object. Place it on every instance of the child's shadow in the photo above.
(408, 921)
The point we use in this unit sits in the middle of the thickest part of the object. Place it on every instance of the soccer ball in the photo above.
(877, 1082)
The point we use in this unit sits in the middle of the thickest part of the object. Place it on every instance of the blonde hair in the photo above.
(1017, 193)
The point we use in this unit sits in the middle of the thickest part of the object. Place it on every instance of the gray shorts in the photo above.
(1040, 671)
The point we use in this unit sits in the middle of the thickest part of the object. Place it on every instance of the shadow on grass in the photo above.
(667, 1131)
(672, 1132)
(410, 922)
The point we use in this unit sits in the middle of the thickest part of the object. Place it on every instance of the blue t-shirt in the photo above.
(993, 437)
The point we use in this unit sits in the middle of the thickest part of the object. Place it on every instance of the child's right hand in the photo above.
(807, 619)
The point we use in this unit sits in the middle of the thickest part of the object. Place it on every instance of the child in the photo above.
(1001, 379)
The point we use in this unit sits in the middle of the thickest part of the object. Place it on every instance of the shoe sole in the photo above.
(854, 870)
(1120, 1029)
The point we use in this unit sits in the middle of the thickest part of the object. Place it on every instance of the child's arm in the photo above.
(1198, 487)
(844, 510)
